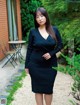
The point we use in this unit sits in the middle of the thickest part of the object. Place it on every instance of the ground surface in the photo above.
(62, 90)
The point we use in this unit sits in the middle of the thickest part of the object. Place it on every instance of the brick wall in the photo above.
(3, 25)
(19, 19)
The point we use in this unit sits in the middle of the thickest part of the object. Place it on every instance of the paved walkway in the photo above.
(8, 72)
(62, 90)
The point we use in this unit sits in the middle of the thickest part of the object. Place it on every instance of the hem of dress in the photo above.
(42, 92)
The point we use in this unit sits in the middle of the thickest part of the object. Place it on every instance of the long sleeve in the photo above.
(59, 45)
(29, 49)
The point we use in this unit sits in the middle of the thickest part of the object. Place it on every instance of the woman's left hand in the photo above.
(47, 56)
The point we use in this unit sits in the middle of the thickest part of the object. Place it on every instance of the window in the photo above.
(12, 19)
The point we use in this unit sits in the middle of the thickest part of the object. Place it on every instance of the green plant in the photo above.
(72, 68)
(72, 102)
(27, 9)
(55, 7)
(61, 16)
(16, 85)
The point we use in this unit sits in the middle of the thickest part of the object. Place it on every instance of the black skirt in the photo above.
(41, 72)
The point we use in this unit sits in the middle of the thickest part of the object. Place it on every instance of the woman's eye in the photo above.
(41, 15)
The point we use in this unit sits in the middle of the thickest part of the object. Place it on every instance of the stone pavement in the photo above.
(8, 72)
(61, 96)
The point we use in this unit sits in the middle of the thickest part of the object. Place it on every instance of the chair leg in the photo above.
(12, 64)
(4, 64)
(7, 62)
(13, 59)
(9, 56)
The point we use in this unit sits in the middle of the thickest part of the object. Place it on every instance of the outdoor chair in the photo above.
(17, 48)
(9, 55)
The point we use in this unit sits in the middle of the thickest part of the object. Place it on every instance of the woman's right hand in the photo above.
(27, 70)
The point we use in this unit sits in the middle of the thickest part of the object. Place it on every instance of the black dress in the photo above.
(41, 71)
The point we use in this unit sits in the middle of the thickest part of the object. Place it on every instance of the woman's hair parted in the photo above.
(49, 28)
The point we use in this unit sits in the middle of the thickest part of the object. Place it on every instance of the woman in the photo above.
(44, 42)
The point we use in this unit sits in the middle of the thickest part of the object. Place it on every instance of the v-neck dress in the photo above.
(41, 71)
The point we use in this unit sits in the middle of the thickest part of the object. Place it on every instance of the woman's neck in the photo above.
(42, 27)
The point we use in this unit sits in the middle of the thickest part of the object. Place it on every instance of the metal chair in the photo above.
(9, 55)
(17, 48)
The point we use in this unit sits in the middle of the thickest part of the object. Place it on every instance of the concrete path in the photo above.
(8, 72)
(62, 90)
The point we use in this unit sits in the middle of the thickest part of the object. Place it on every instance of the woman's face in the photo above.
(40, 18)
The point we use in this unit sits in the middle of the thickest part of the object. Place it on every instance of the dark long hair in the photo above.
(49, 28)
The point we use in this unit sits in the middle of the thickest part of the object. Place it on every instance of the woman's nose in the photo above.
(40, 18)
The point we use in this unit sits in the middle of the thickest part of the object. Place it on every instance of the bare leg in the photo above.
(39, 98)
(48, 99)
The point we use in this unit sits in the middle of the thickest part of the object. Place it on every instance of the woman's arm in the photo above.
(59, 45)
(29, 49)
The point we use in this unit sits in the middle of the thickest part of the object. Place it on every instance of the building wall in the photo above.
(4, 24)
(19, 19)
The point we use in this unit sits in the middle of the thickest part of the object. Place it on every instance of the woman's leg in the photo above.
(39, 98)
(48, 98)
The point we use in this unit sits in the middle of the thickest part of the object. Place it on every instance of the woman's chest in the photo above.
(39, 40)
